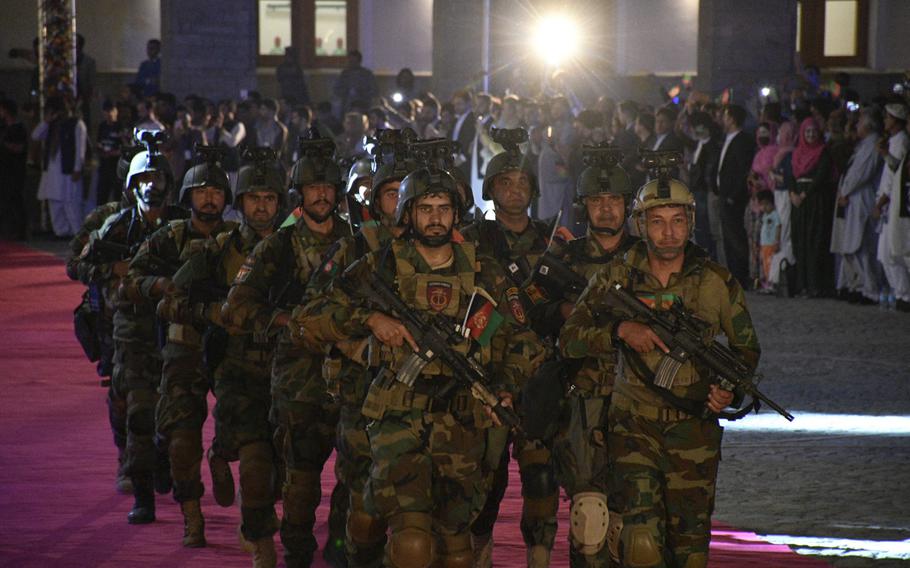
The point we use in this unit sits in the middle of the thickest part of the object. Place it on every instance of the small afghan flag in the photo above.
(483, 319)
(292, 219)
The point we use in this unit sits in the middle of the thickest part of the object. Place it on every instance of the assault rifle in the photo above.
(683, 334)
(435, 337)
(102, 251)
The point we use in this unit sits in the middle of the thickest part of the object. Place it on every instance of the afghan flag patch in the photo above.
(483, 320)
(292, 219)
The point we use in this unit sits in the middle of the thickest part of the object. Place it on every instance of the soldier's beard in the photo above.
(207, 216)
(665, 253)
(434, 241)
(318, 218)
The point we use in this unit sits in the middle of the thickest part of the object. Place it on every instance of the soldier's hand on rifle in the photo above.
(120, 268)
(719, 399)
(505, 399)
(161, 287)
(390, 331)
(566, 309)
(640, 337)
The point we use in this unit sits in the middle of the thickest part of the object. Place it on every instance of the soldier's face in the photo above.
(668, 231)
(318, 201)
(260, 209)
(662, 124)
(512, 191)
(434, 218)
(151, 189)
(388, 198)
(207, 202)
(606, 212)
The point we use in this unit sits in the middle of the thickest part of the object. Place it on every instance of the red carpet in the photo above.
(57, 461)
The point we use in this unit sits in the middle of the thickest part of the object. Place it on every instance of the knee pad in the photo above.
(590, 521)
(538, 480)
(257, 475)
(457, 553)
(411, 544)
(364, 529)
(641, 550)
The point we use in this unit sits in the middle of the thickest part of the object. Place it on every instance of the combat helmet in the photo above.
(663, 190)
(150, 160)
(207, 172)
(262, 172)
(440, 152)
(316, 164)
(362, 168)
(510, 159)
(425, 181)
(603, 174)
(391, 161)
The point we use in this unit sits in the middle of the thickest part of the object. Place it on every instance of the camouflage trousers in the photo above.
(243, 432)
(580, 459)
(308, 437)
(135, 380)
(352, 469)
(663, 480)
(181, 412)
(427, 462)
(540, 492)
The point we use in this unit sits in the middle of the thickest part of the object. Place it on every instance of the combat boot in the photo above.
(193, 524)
(143, 511)
(222, 479)
(538, 556)
(483, 550)
(264, 555)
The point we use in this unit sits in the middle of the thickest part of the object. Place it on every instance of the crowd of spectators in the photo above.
(804, 195)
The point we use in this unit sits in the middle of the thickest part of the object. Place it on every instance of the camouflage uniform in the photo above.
(348, 378)
(580, 445)
(517, 254)
(428, 449)
(272, 281)
(663, 460)
(80, 269)
(137, 362)
(240, 381)
(182, 407)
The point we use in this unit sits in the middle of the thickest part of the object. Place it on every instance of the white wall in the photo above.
(656, 36)
(115, 31)
(396, 34)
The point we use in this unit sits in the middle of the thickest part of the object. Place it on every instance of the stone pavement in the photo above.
(829, 475)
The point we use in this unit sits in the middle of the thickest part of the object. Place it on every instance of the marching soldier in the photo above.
(137, 363)
(515, 241)
(238, 361)
(365, 532)
(182, 407)
(427, 440)
(604, 193)
(268, 286)
(663, 452)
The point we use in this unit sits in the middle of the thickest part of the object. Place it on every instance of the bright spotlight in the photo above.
(765, 91)
(397, 97)
(556, 39)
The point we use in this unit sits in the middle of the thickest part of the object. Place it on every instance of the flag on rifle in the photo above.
(483, 319)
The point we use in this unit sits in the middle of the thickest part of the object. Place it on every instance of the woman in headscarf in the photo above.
(780, 170)
(812, 196)
(759, 180)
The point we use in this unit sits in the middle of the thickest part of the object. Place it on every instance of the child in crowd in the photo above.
(769, 240)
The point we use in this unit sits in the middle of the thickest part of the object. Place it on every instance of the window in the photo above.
(833, 33)
(321, 31)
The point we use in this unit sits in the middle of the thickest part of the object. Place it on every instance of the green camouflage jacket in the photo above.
(704, 287)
